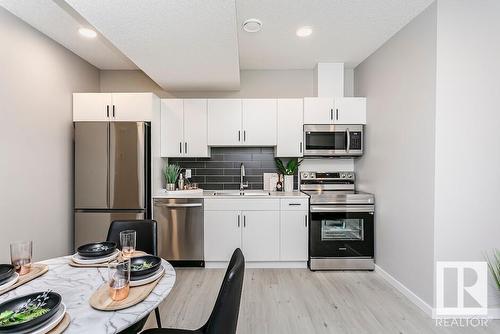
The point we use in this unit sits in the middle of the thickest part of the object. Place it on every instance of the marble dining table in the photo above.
(76, 285)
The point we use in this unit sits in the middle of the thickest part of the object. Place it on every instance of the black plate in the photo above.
(97, 249)
(155, 261)
(141, 277)
(6, 272)
(52, 303)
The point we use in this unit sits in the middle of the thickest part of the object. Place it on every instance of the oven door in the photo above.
(341, 231)
(333, 140)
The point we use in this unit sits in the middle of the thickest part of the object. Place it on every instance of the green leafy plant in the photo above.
(291, 167)
(30, 310)
(494, 265)
(171, 173)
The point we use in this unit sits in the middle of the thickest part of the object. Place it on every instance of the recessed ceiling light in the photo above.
(252, 25)
(304, 31)
(86, 32)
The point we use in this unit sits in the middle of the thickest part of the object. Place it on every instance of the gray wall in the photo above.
(467, 132)
(254, 84)
(398, 166)
(37, 77)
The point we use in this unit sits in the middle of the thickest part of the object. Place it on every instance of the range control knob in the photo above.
(305, 175)
(343, 175)
(350, 176)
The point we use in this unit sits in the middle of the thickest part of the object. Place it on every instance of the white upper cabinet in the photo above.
(259, 122)
(132, 107)
(195, 128)
(184, 128)
(91, 107)
(290, 128)
(172, 124)
(224, 122)
(350, 110)
(318, 110)
(342, 110)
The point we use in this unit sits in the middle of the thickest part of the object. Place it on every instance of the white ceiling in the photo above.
(199, 44)
(182, 45)
(58, 21)
(344, 31)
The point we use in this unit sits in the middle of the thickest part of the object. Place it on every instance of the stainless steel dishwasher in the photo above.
(180, 230)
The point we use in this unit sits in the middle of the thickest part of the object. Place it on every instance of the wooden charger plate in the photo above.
(37, 270)
(105, 264)
(61, 327)
(100, 299)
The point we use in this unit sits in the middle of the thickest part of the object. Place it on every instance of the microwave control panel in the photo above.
(355, 140)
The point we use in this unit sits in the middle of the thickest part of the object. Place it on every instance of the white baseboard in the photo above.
(494, 313)
(276, 264)
(405, 291)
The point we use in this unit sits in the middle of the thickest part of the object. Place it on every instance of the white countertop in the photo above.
(210, 194)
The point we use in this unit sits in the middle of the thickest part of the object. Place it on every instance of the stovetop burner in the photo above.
(333, 188)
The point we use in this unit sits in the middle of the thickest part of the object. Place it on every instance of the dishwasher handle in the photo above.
(187, 205)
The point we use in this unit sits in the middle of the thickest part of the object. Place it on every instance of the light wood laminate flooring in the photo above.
(299, 301)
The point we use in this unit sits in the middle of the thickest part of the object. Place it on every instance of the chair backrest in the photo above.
(224, 317)
(146, 233)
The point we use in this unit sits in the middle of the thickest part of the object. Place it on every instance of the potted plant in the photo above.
(494, 265)
(288, 171)
(171, 173)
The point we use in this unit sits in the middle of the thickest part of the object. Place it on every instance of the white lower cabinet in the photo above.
(260, 235)
(294, 235)
(222, 234)
(263, 231)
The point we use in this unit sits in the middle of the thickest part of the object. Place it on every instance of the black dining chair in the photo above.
(146, 241)
(224, 316)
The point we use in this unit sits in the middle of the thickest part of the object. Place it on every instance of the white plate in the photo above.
(149, 279)
(10, 282)
(53, 322)
(85, 260)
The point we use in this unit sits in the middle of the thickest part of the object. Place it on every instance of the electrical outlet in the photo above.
(188, 173)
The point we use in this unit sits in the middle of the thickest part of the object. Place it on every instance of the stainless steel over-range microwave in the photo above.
(333, 140)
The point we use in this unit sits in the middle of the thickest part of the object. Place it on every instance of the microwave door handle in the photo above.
(348, 140)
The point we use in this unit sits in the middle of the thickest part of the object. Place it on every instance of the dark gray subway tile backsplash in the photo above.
(222, 170)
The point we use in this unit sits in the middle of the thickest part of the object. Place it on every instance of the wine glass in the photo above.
(119, 279)
(128, 241)
(21, 253)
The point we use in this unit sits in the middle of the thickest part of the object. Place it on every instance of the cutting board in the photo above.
(37, 270)
(100, 299)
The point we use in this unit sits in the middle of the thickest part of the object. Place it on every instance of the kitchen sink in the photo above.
(242, 193)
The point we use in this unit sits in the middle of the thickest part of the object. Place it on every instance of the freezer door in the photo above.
(126, 165)
(91, 165)
(93, 226)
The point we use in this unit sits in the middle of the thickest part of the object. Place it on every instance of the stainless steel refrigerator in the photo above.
(112, 176)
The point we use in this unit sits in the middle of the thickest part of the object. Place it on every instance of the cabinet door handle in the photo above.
(300, 147)
(107, 111)
(244, 221)
(293, 204)
(337, 114)
(305, 220)
(238, 220)
(113, 111)
(244, 135)
(239, 135)
(331, 114)
(185, 148)
(180, 147)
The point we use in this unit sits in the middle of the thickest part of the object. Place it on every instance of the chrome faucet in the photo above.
(243, 185)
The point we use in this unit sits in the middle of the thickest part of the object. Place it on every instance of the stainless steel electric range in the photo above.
(341, 229)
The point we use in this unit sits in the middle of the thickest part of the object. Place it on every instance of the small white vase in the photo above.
(288, 183)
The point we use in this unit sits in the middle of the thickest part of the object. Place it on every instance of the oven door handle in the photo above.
(342, 208)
